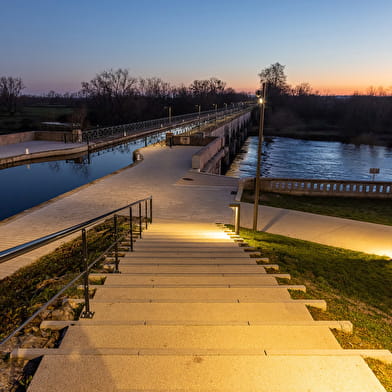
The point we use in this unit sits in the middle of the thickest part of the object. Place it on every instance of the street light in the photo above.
(198, 107)
(261, 101)
(169, 108)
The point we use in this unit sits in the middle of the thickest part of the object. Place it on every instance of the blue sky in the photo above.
(334, 45)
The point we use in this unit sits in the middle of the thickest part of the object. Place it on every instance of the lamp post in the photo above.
(261, 101)
(199, 108)
(169, 108)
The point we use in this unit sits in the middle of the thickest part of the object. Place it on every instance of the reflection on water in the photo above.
(25, 186)
(295, 158)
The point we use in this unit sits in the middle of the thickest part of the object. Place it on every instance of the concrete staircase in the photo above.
(191, 311)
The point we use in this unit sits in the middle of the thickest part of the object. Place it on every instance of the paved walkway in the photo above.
(33, 146)
(182, 195)
(191, 311)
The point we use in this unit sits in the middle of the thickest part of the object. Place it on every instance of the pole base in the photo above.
(87, 315)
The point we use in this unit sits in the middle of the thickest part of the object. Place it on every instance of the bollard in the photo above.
(237, 216)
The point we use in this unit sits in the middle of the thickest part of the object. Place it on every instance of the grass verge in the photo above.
(362, 209)
(356, 286)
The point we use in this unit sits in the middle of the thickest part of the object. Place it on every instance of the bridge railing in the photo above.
(321, 187)
(132, 128)
(137, 221)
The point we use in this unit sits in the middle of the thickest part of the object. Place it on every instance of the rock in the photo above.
(30, 341)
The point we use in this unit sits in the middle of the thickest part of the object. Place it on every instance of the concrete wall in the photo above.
(53, 136)
(216, 154)
(19, 137)
(201, 158)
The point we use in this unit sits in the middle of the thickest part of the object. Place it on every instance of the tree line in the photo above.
(116, 97)
(300, 110)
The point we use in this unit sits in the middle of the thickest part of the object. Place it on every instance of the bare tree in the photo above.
(110, 92)
(10, 90)
(275, 77)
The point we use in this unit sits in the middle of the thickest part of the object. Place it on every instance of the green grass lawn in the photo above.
(363, 209)
(357, 287)
(31, 116)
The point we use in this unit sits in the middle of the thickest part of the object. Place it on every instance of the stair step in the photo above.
(185, 260)
(212, 337)
(342, 325)
(204, 373)
(32, 353)
(188, 269)
(200, 294)
(218, 312)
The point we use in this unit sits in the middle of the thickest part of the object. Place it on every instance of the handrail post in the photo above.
(87, 312)
(145, 213)
(116, 271)
(131, 227)
(150, 209)
(140, 220)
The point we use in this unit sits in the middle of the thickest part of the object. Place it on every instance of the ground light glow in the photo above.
(215, 235)
(381, 252)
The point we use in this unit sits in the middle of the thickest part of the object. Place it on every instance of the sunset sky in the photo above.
(337, 46)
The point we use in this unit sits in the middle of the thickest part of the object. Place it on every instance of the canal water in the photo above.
(25, 186)
(296, 158)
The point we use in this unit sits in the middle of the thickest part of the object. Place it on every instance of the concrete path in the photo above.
(34, 146)
(182, 195)
(328, 230)
(157, 175)
(201, 334)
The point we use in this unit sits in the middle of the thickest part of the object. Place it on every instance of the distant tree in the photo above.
(10, 90)
(275, 77)
(109, 93)
(302, 89)
(111, 83)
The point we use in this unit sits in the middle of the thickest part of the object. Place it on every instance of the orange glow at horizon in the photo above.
(324, 89)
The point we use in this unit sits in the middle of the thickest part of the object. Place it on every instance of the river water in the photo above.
(25, 186)
(296, 158)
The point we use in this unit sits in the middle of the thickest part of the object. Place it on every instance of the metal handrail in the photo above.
(29, 246)
(37, 243)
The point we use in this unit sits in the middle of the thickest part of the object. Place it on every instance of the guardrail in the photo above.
(141, 219)
(319, 187)
(129, 129)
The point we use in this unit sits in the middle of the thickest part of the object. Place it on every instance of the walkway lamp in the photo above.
(169, 108)
(261, 101)
(199, 108)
